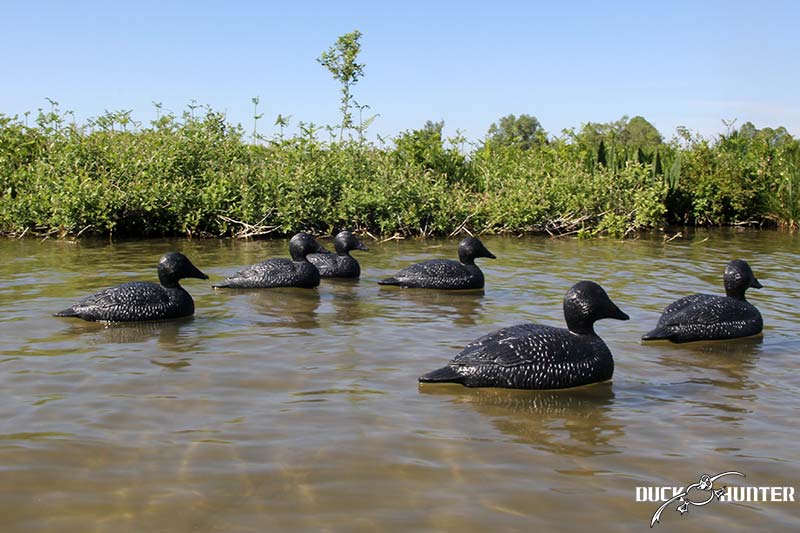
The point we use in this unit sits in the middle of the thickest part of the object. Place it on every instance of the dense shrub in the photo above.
(196, 175)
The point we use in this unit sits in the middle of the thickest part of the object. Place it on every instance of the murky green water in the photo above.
(300, 409)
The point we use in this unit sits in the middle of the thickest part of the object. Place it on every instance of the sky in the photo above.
(692, 64)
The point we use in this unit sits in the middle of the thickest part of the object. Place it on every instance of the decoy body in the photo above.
(446, 273)
(340, 264)
(142, 300)
(533, 356)
(294, 272)
(702, 317)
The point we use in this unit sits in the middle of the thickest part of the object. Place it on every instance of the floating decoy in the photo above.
(142, 300)
(445, 273)
(533, 356)
(340, 264)
(705, 317)
(280, 272)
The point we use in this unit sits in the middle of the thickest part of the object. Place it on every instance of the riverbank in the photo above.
(199, 176)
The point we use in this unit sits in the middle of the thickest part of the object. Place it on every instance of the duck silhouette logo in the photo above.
(702, 489)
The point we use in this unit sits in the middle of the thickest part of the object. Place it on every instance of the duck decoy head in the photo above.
(585, 303)
(738, 278)
(175, 266)
(346, 241)
(303, 244)
(470, 249)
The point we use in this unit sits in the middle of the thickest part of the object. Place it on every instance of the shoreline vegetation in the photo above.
(199, 175)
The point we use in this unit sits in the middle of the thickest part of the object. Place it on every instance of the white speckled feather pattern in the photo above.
(705, 317)
(533, 356)
(331, 265)
(134, 301)
(277, 272)
(142, 300)
(280, 272)
(445, 273)
(439, 274)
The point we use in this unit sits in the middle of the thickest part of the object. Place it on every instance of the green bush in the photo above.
(196, 175)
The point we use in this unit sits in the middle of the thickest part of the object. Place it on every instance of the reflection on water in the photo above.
(345, 296)
(462, 307)
(285, 306)
(167, 333)
(726, 362)
(565, 421)
(291, 409)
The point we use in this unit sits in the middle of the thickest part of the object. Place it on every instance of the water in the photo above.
(300, 409)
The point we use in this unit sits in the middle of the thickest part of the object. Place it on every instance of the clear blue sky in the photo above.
(675, 63)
